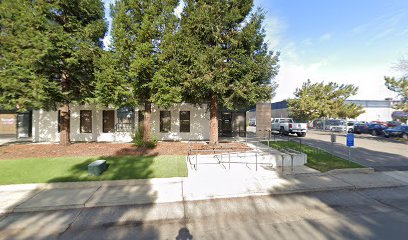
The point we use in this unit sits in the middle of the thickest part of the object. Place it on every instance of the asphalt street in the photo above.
(380, 213)
(377, 152)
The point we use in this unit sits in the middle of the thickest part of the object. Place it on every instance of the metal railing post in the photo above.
(246, 137)
(282, 163)
(291, 163)
(300, 143)
(188, 157)
(229, 161)
(268, 142)
(256, 161)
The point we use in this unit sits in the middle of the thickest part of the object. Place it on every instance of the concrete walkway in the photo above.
(56, 196)
(5, 140)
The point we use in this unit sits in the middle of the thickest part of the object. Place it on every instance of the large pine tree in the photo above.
(218, 56)
(127, 70)
(48, 50)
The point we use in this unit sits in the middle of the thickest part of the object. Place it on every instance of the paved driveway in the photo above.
(377, 152)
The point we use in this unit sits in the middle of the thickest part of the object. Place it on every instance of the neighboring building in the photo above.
(280, 109)
(375, 110)
(103, 124)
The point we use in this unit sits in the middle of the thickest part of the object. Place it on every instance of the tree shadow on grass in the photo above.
(119, 168)
(132, 202)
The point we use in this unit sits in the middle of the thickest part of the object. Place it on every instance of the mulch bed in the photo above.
(30, 150)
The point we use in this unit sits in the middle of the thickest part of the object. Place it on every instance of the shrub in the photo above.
(138, 140)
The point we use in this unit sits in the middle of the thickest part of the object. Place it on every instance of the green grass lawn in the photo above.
(316, 158)
(73, 169)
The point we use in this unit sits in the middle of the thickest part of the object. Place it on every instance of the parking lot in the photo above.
(380, 153)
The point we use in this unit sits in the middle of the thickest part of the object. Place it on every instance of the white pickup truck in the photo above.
(287, 125)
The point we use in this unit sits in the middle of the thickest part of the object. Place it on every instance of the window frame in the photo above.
(59, 121)
(187, 130)
(125, 124)
(81, 121)
(162, 127)
(112, 129)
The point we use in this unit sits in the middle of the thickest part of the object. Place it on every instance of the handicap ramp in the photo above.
(257, 156)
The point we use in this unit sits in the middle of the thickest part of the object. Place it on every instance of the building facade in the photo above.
(91, 123)
(103, 124)
(375, 110)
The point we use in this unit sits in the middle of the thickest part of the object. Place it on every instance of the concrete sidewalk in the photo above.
(56, 196)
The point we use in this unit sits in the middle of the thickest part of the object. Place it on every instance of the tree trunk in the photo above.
(214, 120)
(146, 121)
(65, 114)
(65, 126)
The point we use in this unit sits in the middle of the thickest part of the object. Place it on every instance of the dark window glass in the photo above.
(126, 119)
(184, 121)
(85, 121)
(108, 122)
(59, 120)
(165, 121)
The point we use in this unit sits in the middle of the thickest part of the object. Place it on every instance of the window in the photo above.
(108, 121)
(85, 121)
(126, 119)
(184, 121)
(165, 121)
(286, 120)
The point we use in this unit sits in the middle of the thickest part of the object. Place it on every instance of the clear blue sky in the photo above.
(346, 41)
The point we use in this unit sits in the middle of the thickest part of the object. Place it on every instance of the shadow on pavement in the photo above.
(370, 214)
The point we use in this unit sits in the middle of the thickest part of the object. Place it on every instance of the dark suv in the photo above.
(373, 128)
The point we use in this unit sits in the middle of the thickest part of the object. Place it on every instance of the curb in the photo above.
(351, 170)
(192, 199)
(187, 199)
(86, 184)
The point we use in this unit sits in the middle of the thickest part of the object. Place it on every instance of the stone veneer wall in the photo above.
(263, 119)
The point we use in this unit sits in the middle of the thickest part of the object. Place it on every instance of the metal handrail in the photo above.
(220, 160)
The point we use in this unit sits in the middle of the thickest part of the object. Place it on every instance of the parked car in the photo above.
(360, 128)
(286, 126)
(392, 124)
(335, 125)
(350, 126)
(373, 128)
(399, 131)
(380, 122)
